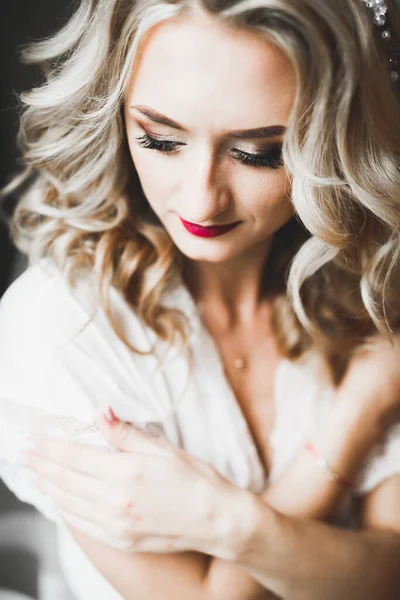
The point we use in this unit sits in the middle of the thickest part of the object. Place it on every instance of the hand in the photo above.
(371, 386)
(148, 497)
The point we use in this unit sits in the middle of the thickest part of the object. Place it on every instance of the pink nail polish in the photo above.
(109, 415)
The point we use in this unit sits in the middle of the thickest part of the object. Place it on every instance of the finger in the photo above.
(82, 508)
(76, 505)
(81, 458)
(94, 531)
(127, 438)
(66, 479)
(152, 544)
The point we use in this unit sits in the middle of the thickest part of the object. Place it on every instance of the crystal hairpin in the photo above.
(381, 19)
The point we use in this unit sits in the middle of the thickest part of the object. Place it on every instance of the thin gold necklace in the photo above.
(239, 363)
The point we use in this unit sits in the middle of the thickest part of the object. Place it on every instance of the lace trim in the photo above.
(17, 423)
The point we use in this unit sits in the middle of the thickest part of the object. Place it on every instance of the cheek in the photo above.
(270, 199)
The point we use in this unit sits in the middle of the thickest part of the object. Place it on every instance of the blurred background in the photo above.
(21, 21)
(28, 563)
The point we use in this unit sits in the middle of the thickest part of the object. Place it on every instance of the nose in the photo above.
(205, 191)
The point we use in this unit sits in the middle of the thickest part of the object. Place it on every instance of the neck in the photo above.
(232, 291)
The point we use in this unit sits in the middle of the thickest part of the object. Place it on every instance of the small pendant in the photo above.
(239, 363)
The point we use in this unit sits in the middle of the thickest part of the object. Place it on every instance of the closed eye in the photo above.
(271, 159)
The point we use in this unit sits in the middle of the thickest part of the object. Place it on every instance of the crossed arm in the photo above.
(284, 552)
(311, 560)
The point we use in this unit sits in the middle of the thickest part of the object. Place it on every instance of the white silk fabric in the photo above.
(60, 360)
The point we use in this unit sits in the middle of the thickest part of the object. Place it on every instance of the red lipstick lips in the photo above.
(208, 232)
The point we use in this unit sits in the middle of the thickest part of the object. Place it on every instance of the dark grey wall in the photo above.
(21, 21)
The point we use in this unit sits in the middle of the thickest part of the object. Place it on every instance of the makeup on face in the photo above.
(169, 144)
(208, 232)
(259, 132)
(207, 138)
(269, 157)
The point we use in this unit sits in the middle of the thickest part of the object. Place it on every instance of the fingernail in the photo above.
(109, 414)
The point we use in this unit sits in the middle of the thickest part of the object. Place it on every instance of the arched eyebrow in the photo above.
(260, 132)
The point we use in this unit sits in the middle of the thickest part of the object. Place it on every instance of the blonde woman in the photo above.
(211, 211)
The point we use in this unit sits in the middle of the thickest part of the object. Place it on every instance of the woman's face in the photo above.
(196, 90)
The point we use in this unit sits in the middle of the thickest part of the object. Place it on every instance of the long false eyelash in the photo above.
(271, 159)
(161, 145)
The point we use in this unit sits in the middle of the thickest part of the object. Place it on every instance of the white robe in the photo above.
(58, 365)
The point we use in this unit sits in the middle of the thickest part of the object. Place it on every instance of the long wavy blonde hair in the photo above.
(333, 272)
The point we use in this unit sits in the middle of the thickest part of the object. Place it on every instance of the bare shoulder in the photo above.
(380, 508)
(371, 385)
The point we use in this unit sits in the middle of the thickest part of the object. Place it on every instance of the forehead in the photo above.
(203, 73)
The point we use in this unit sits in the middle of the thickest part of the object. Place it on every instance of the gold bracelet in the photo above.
(332, 474)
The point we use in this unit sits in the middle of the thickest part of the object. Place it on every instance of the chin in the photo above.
(199, 251)
(209, 258)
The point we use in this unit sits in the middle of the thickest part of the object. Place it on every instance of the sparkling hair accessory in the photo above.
(381, 19)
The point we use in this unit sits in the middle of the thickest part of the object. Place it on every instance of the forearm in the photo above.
(302, 559)
(144, 576)
(302, 490)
